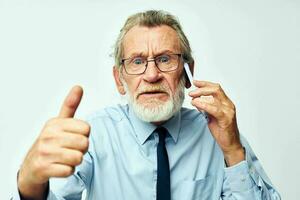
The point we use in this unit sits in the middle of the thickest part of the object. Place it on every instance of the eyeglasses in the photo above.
(138, 65)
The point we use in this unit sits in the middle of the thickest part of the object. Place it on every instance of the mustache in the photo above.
(152, 88)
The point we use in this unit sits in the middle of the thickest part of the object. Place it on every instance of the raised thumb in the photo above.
(71, 102)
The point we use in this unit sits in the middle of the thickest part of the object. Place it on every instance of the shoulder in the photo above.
(113, 113)
(106, 123)
(191, 115)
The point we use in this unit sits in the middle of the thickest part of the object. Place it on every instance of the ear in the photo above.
(187, 82)
(118, 81)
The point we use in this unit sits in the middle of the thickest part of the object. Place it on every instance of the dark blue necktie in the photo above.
(163, 169)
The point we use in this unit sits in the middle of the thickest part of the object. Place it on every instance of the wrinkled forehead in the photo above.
(150, 41)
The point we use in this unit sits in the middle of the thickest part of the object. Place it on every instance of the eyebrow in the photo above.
(142, 54)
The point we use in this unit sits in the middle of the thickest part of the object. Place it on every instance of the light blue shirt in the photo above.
(121, 162)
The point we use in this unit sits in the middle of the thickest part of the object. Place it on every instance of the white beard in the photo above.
(155, 110)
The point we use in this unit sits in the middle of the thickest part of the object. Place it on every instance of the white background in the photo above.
(250, 47)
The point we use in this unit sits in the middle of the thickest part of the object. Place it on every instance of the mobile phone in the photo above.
(190, 77)
(188, 73)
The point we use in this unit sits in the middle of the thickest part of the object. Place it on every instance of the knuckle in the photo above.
(68, 171)
(229, 116)
(39, 165)
(49, 135)
(86, 127)
(78, 158)
(218, 87)
(49, 130)
(42, 150)
(51, 121)
(85, 143)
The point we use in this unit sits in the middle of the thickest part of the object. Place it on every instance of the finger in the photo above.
(207, 99)
(199, 83)
(208, 88)
(212, 109)
(71, 102)
(59, 170)
(75, 126)
(73, 141)
(66, 156)
(69, 125)
(205, 91)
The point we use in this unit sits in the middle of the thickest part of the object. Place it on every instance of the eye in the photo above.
(137, 61)
(163, 59)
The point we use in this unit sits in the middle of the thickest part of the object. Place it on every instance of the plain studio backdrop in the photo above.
(250, 47)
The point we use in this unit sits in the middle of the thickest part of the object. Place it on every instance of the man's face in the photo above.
(153, 90)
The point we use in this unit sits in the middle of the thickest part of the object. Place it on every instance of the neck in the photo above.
(158, 123)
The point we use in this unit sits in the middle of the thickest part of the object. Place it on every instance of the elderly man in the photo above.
(151, 148)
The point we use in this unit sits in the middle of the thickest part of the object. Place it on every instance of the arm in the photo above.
(248, 180)
(244, 177)
(56, 152)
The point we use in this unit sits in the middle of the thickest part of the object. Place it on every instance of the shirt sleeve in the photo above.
(247, 180)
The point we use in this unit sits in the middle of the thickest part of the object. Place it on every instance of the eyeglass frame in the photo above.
(152, 60)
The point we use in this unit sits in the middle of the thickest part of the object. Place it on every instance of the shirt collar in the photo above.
(144, 129)
(173, 126)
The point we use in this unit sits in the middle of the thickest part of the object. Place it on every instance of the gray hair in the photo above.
(152, 18)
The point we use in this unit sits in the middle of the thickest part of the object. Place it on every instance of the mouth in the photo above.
(154, 93)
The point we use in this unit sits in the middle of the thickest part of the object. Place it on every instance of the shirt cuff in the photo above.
(238, 177)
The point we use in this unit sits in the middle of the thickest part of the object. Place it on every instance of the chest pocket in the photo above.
(198, 189)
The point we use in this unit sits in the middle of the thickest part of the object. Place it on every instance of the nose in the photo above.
(152, 73)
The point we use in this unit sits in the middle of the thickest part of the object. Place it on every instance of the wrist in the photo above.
(29, 190)
(234, 157)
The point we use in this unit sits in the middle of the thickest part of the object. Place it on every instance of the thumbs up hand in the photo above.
(58, 149)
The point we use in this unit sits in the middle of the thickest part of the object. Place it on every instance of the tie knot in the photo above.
(162, 133)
